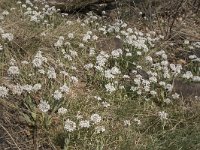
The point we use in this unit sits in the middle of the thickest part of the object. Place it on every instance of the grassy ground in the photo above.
(95, 82)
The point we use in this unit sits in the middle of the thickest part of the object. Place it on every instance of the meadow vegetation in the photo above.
(90, 82)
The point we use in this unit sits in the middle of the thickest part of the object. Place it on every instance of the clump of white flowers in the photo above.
(44, 106)
(62, 111)
(100, 129)
(37, 87)
(38, 60)
(116, 53)
(60, 42)
(110, 87)
(127, 122)
(188, 75)
(95, 118)
(163, 115)
(16, 89)
(64, 88)
(51, 73)
(57, 95)
(3, 91)
(84, 124)
(7, 36)
(69, 125)
(13, 70)
(28, 88)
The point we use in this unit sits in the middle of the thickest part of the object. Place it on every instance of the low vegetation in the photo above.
(95, 82)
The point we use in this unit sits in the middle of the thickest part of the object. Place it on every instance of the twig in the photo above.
(10, 137)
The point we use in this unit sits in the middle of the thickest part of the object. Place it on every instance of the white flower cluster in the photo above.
(36, 15)
(38, 60)
(163, 115)
(51, 73)
(95, 118)
(70, 125)
(13, 70)
(110, 73)
(3, 91)
(44, 106)
(110, 87)
(7, 36)
(60, 42)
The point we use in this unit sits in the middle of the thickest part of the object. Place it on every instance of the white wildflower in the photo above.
(37, 87)
(126, 76)
(97, 98)
(73, 53)
(74, 79)
(7, 36)
(188, 75)
(42, 71)
(13, 70)
(192, 56)
(169, 87)
(137, 120)
(84, 124)
(196, 78)
(71, 35)
(116, 53)
(88, 66)
(57, 95)
(105, 104)
(149, 59)
(162, 83)
(25, 62)
(167, 101)
(60, 42)
(91, 52)
(186, 42)
(95, 118)
(94, 37)
(108, 74)
(70, 125)
(115, 71)
(100, 129)
(153, 93)
(3, 91)
(86, 37)
(37, 62)
(163, 115)
(64, 88)
(64, 73)
(139, 53)
(38, 59)
(17, 89)
(1, 47)
(44, 106)
(175, 96)
(153, 79)
(62, 111)
(127, 122)
(5, 13)
(51, 73)
(110, 87)
(27, 88)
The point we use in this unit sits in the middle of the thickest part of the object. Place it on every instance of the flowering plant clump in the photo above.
(79, 95)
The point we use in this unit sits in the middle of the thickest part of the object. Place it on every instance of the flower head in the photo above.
(3, 91)
(44, 106)
(70, 125)
(95, 118)
(84, 124)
